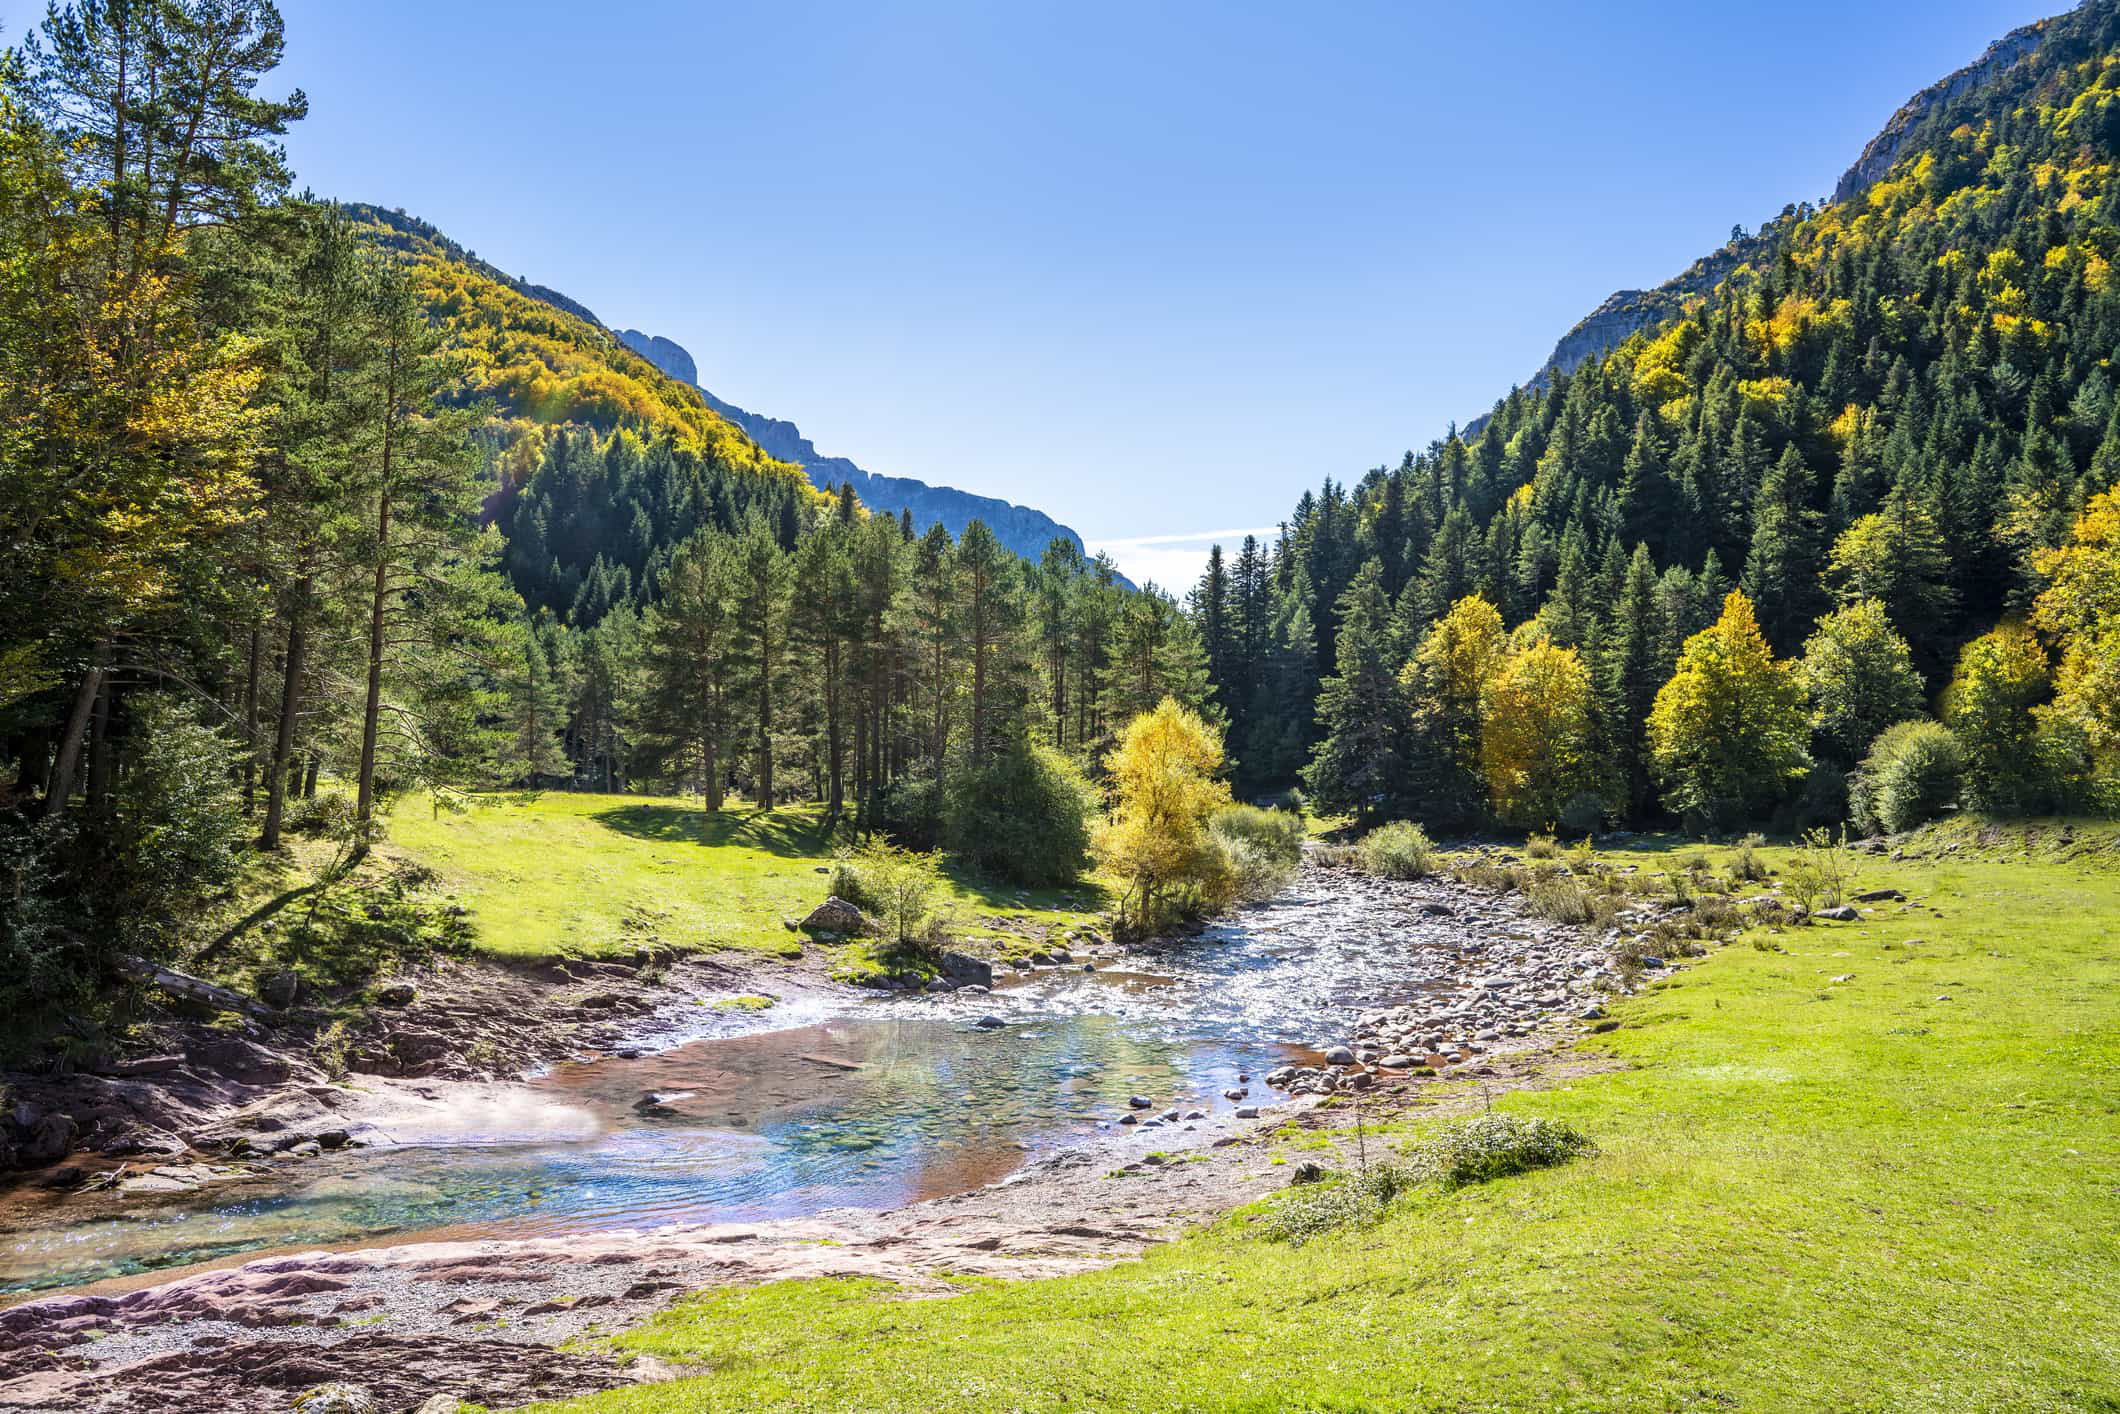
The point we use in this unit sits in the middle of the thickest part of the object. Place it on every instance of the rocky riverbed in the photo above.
(1381, 988)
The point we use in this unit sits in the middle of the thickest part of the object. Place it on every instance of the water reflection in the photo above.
(908, 1101)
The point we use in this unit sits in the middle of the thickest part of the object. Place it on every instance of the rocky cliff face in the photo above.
(1625, 312)
(1905, 127)
(1021, 529)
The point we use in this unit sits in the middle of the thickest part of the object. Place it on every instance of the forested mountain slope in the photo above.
(1020, 528)
(1881, 420)
(1625, 311)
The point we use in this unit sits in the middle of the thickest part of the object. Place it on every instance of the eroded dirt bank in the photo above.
(232, 1100)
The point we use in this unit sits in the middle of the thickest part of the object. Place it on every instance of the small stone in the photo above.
(1247, 1112)
(279, 988)
(1396, 1061)
(396, 994)
(1129, 1118)
(1339, 1055)
(1140, 1102)
(989, 1022)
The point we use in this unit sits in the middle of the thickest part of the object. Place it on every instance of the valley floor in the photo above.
(1856, 1165)
(1869, 1165)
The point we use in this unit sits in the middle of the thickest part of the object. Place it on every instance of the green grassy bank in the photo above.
(560, 872)
(1868, 1166)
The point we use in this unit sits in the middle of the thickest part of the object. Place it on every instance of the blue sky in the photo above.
(1150, 267)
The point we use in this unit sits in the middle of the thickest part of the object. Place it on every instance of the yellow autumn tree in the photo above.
(1448, 675)
(2081, 606)
(1536, 751)
(1727, 731)
(1164, 790)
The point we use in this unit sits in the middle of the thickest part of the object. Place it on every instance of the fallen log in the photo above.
(191, 989)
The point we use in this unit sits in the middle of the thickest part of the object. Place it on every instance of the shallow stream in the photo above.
(893, 1101)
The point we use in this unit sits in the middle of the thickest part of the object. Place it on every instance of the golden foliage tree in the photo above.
(1727, 731)
(1164, 789)
(2081, 606)
(1536, 746)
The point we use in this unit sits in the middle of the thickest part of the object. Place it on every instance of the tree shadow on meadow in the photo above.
(791, 832)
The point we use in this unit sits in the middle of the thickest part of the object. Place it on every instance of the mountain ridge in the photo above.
(1024, 529)
(1624, 313)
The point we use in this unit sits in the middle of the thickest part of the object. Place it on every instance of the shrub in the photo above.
(1263, 849)
(850, 882)
(1022, 815)
(174, 840)
(320, 816)
(1275, 832)
(1318, 1208)
(1913, 774)
(1746, 864)
(910, 812)
(1492, 1146)
(1557, 894)
(1542, 847)
(899, 885)
(1823, 871)
(1399, 850)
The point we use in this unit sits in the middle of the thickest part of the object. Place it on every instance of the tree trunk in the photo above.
(99, 751)
(835, 750)
(765, 720)
(290, 709)
(372, 710)
(59, 790)
(250, 720)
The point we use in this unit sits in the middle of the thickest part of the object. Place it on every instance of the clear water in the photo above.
(903, 1100)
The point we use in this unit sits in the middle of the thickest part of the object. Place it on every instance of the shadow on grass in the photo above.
(1086, 896)
(796, 833)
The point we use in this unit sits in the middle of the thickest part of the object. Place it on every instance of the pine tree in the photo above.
(1781, 574)
(1360, 761)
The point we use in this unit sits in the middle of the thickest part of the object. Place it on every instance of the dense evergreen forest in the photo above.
(303, 508)
(1714, 573)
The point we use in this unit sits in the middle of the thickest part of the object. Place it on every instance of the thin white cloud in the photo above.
(1173, 562)
(1201, 537)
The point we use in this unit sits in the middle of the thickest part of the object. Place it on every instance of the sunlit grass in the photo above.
(560, 872)
(1875, 1169)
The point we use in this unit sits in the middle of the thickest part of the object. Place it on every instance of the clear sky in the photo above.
(1150, 267)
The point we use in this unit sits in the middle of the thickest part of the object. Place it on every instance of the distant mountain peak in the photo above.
(1020, 528)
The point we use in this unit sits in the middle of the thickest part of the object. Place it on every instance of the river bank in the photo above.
(1382, 988)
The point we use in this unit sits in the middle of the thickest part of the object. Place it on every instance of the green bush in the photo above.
(1318, 1208)
(1261, 849)
(328, 814)
(1273, 834)
(1914, 772)
(1557, 894)
(1494, 1146)
(1747, 865)
(1399, 850)
(1542, 847)
(175, 836)
(1023, 815)
(898, 885)
(910, 812)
